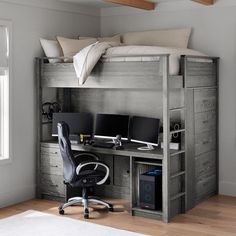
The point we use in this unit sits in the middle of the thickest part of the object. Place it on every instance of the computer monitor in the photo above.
(79, 123)
(145, 130)
(108, 126)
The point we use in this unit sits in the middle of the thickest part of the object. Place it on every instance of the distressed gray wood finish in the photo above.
(132, 102)
(115, 75)
(52, 185)
(202, 129)
(205, 165)
(145, 88)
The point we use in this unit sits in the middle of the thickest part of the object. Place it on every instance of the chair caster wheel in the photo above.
(111, 209)
(61, 211)
(86, 216)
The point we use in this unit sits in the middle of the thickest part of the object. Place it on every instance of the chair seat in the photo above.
(88, 178)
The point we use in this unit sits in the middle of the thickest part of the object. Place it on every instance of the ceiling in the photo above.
(101, 4)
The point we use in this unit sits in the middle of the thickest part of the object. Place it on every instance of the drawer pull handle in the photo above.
(55, 152)
(53, 185)
(54, 166)
(205, 142)
(205, 121)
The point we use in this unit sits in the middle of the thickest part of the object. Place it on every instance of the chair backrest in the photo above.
(69, 164)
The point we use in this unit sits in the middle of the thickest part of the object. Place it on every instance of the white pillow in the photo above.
(164, 38)
(51, 48)
(71, 47)
(116, 38)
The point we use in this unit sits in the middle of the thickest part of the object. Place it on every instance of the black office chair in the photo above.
(81, 170)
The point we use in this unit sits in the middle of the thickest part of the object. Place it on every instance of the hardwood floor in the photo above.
(216, 216)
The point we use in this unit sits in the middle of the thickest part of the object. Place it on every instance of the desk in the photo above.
(125, 167)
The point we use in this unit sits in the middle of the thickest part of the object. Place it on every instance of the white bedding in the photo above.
(87, 58)
(174, 61)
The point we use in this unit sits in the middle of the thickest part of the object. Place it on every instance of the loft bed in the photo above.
(200, 71)
(145, 88)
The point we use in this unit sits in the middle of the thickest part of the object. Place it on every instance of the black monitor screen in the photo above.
(79, 123)
(110, 125)
(145, 130)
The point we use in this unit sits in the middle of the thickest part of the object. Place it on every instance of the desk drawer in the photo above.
(205, 165)
(205, 100)
(205, 187)
(50, 151)
(205, 121)
(51, 161)
(52, 185)
(205, 142)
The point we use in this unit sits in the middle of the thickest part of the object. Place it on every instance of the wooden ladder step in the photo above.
(177, 196)
(177, 109)
(177, 174)
(177, 153)
(177, 131)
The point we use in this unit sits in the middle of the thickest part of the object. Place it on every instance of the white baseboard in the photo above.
(227, 188)
(16, 195)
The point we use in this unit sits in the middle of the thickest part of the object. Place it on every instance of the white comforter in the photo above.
(87, 58)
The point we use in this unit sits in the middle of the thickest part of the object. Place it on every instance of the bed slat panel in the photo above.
(117, 75)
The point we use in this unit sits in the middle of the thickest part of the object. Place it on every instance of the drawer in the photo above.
(50, 151)
(51, 165)
(205, 187)
(51, 161)
(205, 165)
(205, 142)
(201, 73)
(205, 100)
(205, 121)
(52, 185)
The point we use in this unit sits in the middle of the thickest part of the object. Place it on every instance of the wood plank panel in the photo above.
(205, 2)
(141, 4)
(133, 75)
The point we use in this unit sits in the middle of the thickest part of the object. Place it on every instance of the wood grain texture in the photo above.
(126, 75)
(213, 217)
(141, 4)
(205, 2)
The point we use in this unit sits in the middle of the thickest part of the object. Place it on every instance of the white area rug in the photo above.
(34, 223)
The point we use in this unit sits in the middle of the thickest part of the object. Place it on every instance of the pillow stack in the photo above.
(66, 47)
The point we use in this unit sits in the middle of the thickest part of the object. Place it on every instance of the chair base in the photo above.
(85, 203)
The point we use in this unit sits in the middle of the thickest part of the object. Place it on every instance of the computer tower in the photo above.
(150, 190)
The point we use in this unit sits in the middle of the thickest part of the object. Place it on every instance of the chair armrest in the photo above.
(78, 155)
(91, 155)
(97, 163)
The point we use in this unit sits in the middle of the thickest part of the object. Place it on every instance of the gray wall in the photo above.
(214, 33)
(17, 179)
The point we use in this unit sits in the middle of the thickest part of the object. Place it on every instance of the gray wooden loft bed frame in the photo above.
(141, 88)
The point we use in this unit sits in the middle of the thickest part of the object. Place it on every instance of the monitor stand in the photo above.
(149, 147)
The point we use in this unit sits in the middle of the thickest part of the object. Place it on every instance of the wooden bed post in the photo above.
(166, 135)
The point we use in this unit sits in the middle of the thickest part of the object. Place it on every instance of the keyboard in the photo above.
(103, 145)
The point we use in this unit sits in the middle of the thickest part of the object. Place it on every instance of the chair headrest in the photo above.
(63, 129)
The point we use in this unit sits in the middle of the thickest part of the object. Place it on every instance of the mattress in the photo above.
(149, 53)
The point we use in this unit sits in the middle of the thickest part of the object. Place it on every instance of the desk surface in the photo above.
(130, 149)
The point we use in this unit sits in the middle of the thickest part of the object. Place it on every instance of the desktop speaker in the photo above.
(150, 190)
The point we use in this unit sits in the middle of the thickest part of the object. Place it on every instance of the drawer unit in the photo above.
(205, 121)
(205, 187)
(205, 165)
(205, 100)
(205, 142)
(52, 185)
(51, 161)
